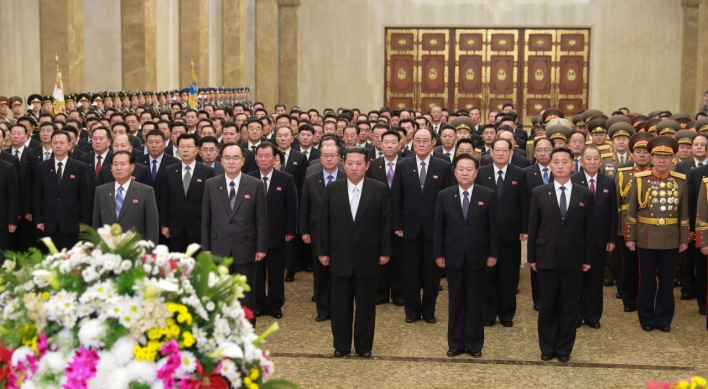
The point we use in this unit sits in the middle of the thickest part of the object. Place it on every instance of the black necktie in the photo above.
(232, 194)
(563, 206)
(500, 182)
(59, 172)
(253, 148)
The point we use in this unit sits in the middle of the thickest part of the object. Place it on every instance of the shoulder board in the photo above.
(588, 142)
(606, 155)
(624, 169)
(645, 173)
(529, 142)
(678, 175)
(603, 147)
(705, 179)
(478, 150)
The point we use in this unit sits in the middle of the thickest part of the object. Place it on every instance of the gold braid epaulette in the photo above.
(620, 179)
(642, 204)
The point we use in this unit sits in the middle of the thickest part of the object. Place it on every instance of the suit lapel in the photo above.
(129, 196)
(506, 185)
(416, 174)
(429, 172)
(224, 194)
(551, 194)
(321, 183)
(272, 186)
(65, 174)
(112, 201)
(457, 201)
(473, 203)
(573, 201)
(240, 195)
(344, 196)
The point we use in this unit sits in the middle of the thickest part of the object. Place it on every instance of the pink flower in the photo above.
(81, 368)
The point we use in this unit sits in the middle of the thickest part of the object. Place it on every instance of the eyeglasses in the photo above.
(229, 159)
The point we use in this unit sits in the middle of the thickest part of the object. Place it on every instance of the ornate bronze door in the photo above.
(433, 57)
(401, 56)
(573, 55)
(470, 69)
(502, 76)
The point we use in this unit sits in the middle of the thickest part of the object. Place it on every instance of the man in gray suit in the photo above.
(126, 202)
(234, 218)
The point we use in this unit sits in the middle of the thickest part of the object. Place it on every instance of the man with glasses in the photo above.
(209, 151)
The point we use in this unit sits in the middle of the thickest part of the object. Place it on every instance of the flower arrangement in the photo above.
(105, 314)
(686, 383)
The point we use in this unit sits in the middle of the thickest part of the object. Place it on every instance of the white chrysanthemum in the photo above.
(188, 365)
(210, 306)
(161, 260)
(229, 370)
(104, 370)
(84, 310)
(40, 282)
(54, 361)
(126, 265)
(89, 274)
(20, 354)
(143, 372)
(123, 350)
(91, 333)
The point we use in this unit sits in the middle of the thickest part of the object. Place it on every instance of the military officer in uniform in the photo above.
(619, 133)
(34, 106)
(559, 135)
(548, 115)
(701, 235)
(597, 128)
(4, 109)
(629, 275)
(658, 228)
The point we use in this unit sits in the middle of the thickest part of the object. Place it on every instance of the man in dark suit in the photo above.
(140, 173)
(281, 197)
(354, 240)
(390, 284)
(306, 135)
(235, 220)
(416, 184)
(126, 202)
(183, 190)
(100, 153)
(605, 193)
(310, 208)
(518, 158)
(561, 248)
(28, 161)
(9, 206)
(61, 194)
(536, 175)
(509, 184)
(466, 243)
(230, 135)
(694, 183)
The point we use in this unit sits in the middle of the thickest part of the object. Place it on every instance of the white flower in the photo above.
(126, 265)
(153, 287)
(123, 350)
(230, 371)
(91, 332)
(89, 274)
(210, 306)
(228, 350)
(191, 249)
(189, 364)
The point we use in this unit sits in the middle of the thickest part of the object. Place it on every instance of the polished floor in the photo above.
(619, 354)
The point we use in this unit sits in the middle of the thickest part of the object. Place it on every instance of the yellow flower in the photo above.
(185, 318)
(700, 381)
(253, 386)
(170, 322)
(182, 309)
(247, 381)
(255, 373)
(45, 296)
(154, 334)
(188, 339)
(172, 307)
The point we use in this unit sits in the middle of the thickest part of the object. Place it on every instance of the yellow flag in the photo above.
(58, 94)
(193, 89)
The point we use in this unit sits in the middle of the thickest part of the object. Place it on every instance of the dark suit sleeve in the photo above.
(38, 216)
(450, 179)
(613, 212)
(261, 220)
(525, 199)
(386, 247)
(534, 223)
(152, 228)
(588, 228)
(692, 199)
(206, 219)
(494, 235)
(145, 178)
(96, 223)
(323, 231)
(84, 194)
(13, 197)
(165, 200)
(304, 227)
(397, 199)
(292, 208)
(439, 230)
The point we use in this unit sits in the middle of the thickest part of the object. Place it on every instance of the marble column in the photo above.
(702, 60)
(267, 53)
(288, 52)
(234, 40)
(689, 56)
(61, 34)
(193, 42)
(138, 44)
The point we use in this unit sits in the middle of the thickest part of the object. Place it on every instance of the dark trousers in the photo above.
(535, 289)
(391, 274)
(61, 240)
(418, 254)
(323, 284)
(591, 299)
(465, 329)
(180, 242)
(298, 251)
(613, 262)
(630, 276)
(558, 317)
(346, 290)
(655, 302)
(249, 298)
(501, 281)
(25, 235)
(687, 269)
(701, 274)
(274, 262)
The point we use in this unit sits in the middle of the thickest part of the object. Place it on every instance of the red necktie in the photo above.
(98, 166)
(592, 186)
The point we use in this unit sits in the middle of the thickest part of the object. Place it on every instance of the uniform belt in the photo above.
(625, 207)
(658, 221)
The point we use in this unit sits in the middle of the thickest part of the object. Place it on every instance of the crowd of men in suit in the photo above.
(381, 205)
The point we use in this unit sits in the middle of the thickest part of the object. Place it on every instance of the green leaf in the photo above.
(115, 332)
(138, 385)
(275, 384)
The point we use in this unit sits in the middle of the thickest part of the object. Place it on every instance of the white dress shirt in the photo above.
(270, 178)
(63, 165)
(427, 163)
(286, 154)
(236, 181)
(568, 189)
(462, 195)
(588, 178)
(191, 168)
(306, 151)
(22, 150)
(452, 152)
(125, 187)
(695, 160)
(252, 145)
(103, 158)
(44, 153)
(158, 159)
(350, 191)
(497, 170)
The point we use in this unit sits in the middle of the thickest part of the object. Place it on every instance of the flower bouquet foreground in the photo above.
(105, 314)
